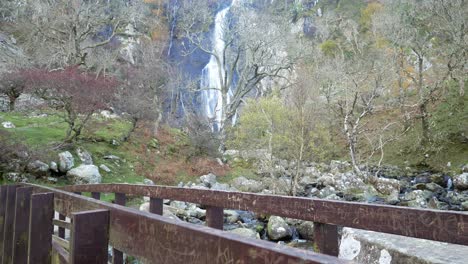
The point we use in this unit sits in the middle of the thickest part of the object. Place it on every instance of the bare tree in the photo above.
(78, 94)
(12, 84)
(60, 33)
(435, 34)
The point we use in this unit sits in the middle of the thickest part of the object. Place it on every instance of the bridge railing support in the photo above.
(9, 220)
(117, 255)
(214, 217)
(89, 239)
(326, 239)
(41, 228)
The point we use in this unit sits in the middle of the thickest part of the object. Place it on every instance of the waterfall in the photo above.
(175, 8)
(210, 83)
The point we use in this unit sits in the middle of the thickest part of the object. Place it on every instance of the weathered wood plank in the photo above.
(21, 225)
(41, 228)
(444, 226)
(156, 206)
(8, 225)
(61, 223)
(326, 239)
(89, 240)
(3, 203)
(214, 217)
(96, 195)
(117, 255)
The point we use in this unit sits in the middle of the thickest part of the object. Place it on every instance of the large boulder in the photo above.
(246, 185)
(387, 186)
(461, 181)
(84, 156)
(278, 229)
(245, 232)
(85, 174)
(66, 161)
(208, 180)
(27, 102)
(306, 230)
(38, 168)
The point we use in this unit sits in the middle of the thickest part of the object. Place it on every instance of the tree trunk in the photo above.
(422, 103)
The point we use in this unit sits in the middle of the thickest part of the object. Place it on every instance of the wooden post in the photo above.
(326, 239)
(3, 202)
(96, 195)
(8, 224)
(117, 255)
(41, 228)
(89, 240)
(21, 226)
(214, 217)
(156, 206)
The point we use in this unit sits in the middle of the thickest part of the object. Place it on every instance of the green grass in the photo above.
(41, 133)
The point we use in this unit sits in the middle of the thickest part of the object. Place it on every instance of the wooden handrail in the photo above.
(437, 225)
(158, 239)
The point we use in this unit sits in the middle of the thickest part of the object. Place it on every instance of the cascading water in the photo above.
(175, 7)
(213, 73)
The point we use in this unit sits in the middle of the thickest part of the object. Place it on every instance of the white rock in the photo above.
(461, 181)
(66, 161)
(105, 168)
(8, 124)
(85, 174)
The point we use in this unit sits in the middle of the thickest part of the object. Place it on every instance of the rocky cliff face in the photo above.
(10, 53)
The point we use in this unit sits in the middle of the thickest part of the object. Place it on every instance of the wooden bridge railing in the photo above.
(157, 239)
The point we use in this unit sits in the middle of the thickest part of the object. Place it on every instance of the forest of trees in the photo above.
(377, 81)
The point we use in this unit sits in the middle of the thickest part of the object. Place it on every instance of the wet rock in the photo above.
(461, 181)
(464, 206)
(38, 168)
(278, 229)
(416, 198)
(434, 203)
(231, 216)
(326, 192)
(326, 180)
(84, 156)
(306, 230)
(246, 185)
(439, 179)
(208, 180)
(245, 232)
(387, 186)
(434, 187)
(66, 161)
(85, 174)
